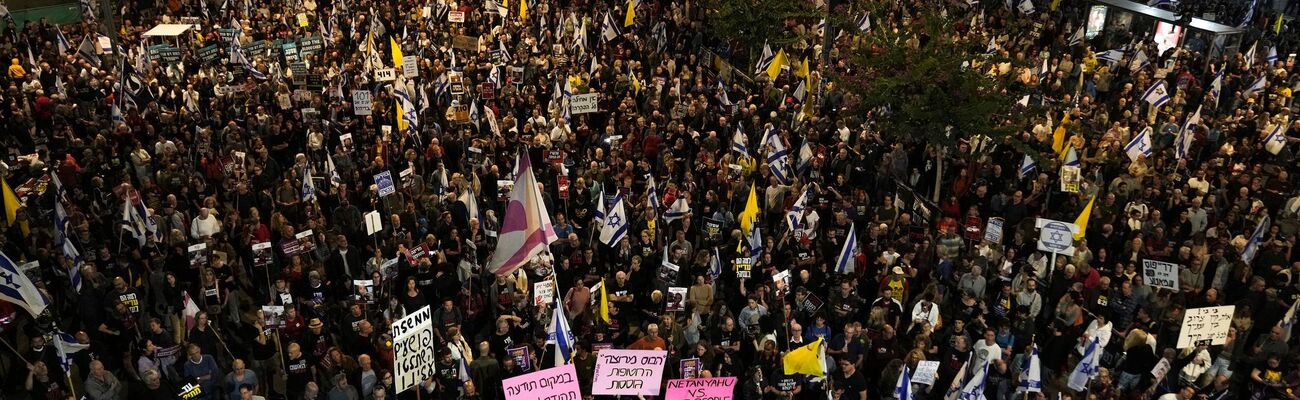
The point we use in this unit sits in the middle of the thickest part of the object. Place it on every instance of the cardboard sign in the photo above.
(414, 349)
(548, 384)
(543, 293)
(385, 182)
(1160, 274)
(374, 223)
(583, 103)
(361, 102)
(385, 75)
(520, 355)
(628, 372)
(1205, 325)
(701, 388)
(925, 372)
(410, 67)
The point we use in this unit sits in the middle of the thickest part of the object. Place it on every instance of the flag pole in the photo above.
(16, 353)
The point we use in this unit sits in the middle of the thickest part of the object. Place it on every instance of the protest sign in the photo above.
(374, 223)
(361, 102)
(262, 254)
(410, 67)
(1160, 274)
(520, 355)
(1205, 325)
(993, 232)
(198, 257)
(701, 388)
(689, 368)
(676, 299)
(559, 383)
(385, 75)
(543, 293)
(743, 266)
(414, 352)
(628, 372)
(385, 182)
(925, 372)
(583, 103)
(272, 316)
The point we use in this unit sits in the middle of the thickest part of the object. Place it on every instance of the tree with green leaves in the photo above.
(921, 84)
(748, 24)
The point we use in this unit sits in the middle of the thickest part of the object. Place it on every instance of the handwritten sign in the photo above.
(1205, 325)
(385, 75)
(701, 388)
(925, 372)
(543, 293)
(583, 103)
(1160, 274)
(414, 351)
(559, 383)
(628, 372)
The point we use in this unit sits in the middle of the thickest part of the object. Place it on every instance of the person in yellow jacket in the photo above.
(16, 70)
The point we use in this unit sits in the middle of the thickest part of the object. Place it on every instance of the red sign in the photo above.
(563, 185)
(555, 156)
(487, 91)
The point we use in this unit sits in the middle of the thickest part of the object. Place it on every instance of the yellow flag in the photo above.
(636, 83)
(807, 360)
(802, 71)
(1058, 137)
(523, 9)
(1277, 26)
(774, 68)
(1055, 4)
(604, 302)
(630, 18)
(750, 213)
(11, 207)
(397, 52)
(1082, 221)
(402, 125)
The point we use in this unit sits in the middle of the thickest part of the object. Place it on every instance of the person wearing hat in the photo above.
(897, 283)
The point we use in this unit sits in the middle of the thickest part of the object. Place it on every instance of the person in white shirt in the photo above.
(925, 311)
(205, 224)
(1099, 328)
(987, 349)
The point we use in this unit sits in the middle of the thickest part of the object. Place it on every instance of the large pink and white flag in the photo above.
(527, 228)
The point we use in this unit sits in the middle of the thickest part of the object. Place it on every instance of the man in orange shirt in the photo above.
(651, 340)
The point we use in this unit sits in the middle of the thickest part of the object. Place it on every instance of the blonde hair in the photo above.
(1135, 337)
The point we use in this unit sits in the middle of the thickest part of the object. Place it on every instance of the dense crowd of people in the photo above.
(242, 208)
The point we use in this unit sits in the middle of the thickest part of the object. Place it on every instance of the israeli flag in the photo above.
(1157, 95)
(614, 226)
(1252, 245)
(609, 30)
(1077, 37)
(17, 289)
(738, 141)
(1276, 139)
(903, 390)
(846, 263)
(974, 389)
(308, 187)
(1087, 367)
(1112, 56)
(67, 347)
(715, 264)
(1140, 145)
(600, 211)
(1187, 135)
(1259, 85)
(1272, 54)
(805, 158)
(652, 195)
(1031, 374)
(1216, 87)
(678, 210)
(1027, 165)
(864, 23)
(795, 215)
(558, 333)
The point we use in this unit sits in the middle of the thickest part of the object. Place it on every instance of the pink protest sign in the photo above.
(701, 389)
(629, 372)
(559, 383)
